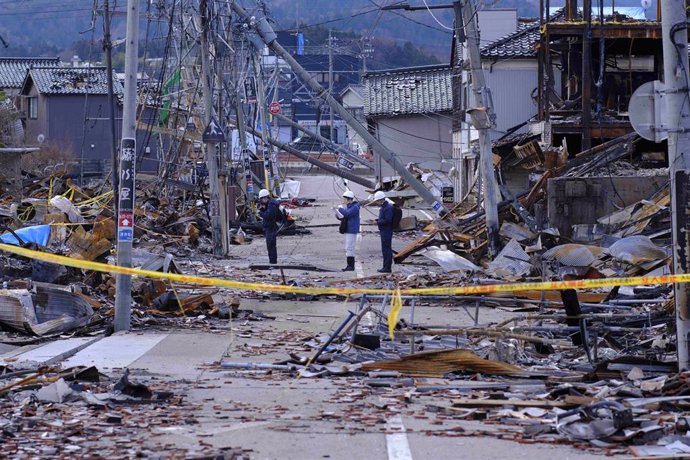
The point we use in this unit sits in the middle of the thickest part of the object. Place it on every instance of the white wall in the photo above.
(424, 140)
(495, 24)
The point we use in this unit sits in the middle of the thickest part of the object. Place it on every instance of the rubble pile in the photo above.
(79, 412)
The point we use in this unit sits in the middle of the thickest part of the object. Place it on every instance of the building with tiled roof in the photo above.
(408, 91)
(70, 80)
(519, 44)
(67, 108)
(410, 111)
(13, 71)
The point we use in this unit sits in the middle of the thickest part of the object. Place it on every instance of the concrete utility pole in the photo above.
(108, 48)
(677, 123)
(267, 34)
(330, 81)
(211, 147)
(482, 119)
(332, 145)
(344, 173)
(260, 104)
(127, 192)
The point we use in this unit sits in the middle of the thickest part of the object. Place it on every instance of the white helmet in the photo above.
(263, 193)
(379, 195)
(349, 194)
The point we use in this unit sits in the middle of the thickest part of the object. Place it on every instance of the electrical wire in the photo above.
(435, 18)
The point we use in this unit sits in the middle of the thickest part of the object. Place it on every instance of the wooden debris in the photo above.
(441, 362)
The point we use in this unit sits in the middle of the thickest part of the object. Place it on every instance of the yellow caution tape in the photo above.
(394, 313)
(440, 291)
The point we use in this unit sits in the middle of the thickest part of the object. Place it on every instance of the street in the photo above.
(280, 415)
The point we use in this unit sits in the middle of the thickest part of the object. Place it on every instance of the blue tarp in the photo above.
(39, 234)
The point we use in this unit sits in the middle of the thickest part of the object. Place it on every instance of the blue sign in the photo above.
(125, 234)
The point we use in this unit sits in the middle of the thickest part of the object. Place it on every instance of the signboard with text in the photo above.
(125, 207)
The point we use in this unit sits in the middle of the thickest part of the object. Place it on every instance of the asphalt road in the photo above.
(279, 416)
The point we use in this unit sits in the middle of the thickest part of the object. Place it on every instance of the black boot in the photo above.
(350, 265)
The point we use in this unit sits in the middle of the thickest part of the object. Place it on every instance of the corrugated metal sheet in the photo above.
(48, 309)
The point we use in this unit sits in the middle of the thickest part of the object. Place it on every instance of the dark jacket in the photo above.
(270, 216)
(385, 220)
(351, 213)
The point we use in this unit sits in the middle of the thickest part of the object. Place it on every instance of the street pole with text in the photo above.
(127, 160)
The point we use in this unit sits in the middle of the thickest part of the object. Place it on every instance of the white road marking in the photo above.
(397, 443)
(51, 352)
(117, 351)
(359, 269)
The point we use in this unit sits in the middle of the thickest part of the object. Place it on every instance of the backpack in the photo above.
(283, 216)
(397, 216)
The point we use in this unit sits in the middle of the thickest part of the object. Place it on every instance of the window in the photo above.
(33, 107)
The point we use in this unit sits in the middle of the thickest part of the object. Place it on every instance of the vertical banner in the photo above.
(125, 216)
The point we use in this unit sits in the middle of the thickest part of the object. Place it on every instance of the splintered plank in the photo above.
(441, 362)
(415, 246)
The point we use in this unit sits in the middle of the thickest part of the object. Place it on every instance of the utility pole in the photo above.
(211, 147)
(268, 35)
(483, 119)
(677, 123)
(328, 143)
(127, 187)
(587, 77)
(108, 48)
(261, 105)
(330, 79)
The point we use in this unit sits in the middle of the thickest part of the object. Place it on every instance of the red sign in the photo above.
(274, 108)
(125, 219)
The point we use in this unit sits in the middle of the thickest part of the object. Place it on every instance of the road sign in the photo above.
(345, 163)
(274, 108)
(126, 220)
(646, 110)
(213, 132)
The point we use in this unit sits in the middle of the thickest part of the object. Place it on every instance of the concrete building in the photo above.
(410, 111)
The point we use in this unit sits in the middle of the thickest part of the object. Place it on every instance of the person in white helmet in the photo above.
(385, 224)
(269, 210)
(348, 214)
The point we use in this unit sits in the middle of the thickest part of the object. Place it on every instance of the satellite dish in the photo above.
(646, 110)
(41, 138)
(646, 4)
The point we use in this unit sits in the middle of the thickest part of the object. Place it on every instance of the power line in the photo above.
(435, 18)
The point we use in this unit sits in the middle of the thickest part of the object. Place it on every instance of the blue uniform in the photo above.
(385, 223)
(351, 213)
(270, 215)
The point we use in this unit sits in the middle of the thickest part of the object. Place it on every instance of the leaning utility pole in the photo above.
(127, 192)
(212, 149)
(483, 119)
(330, 144)
(260, 105)
(268, 35)
(677, 123)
